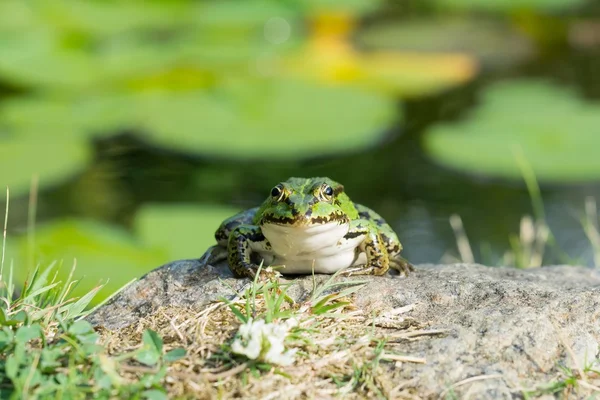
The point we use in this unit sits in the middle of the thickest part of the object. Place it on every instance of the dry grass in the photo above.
(346, 357)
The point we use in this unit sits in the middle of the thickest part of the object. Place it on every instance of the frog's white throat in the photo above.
(299, 248)
(290, 241)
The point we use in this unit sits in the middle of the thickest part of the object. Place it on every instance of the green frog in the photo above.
(310, 224)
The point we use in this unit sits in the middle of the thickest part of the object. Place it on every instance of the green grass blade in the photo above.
(74, 310)
(31, 296)
(4, 234)
(40, 280)
(65, 289)
(10, 284)
(111, 296)
(327, 308)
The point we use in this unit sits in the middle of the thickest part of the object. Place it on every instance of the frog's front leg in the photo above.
(372, 245)
(243, 242)
(219, 252)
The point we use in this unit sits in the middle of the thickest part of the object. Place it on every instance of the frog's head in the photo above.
(305, 202)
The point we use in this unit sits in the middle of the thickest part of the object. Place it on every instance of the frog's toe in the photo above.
(264, 274)
(363, 270)
(402, 265)
(213, 255)
(269, 274)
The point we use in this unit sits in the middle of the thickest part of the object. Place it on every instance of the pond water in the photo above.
(394, 177)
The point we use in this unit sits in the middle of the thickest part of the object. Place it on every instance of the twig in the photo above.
(226, 374)
(400, 310)
(462, 241)
(406, 335)
(469, 380)
(177, 331)
(135, 368)
(569, 350)
(396, 357)
(589, 386)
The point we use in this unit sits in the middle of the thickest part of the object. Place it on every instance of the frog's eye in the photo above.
(327, 192)
(277, 192)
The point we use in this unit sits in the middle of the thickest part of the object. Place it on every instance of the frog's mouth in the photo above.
(305, 220)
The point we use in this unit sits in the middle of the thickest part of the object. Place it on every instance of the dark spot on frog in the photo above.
(353, 234)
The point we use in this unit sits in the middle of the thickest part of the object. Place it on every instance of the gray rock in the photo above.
(517, 324)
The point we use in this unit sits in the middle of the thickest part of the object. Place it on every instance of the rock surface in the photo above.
(511, 328)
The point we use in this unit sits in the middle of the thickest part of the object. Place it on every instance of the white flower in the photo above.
(258, 340)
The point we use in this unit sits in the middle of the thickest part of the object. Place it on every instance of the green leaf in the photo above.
(75, 309)
(80, 328)
(511, 5)
(6, 337)
(31, 295)
(109, 369)
(154, 395)
(243, 318)
(545, 122)
(27, 333)
(11, 367)
(19, 318)
(251, 116)
(183, 238)
(52, 160)
(175, 354)
(149, 357)
(38, 283)
(153, 380)
(50, 359)
(89, 344)
(326, 308)
(151, 339)
(3, 317)
(248, 116)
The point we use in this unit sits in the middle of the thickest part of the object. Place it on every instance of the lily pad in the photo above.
(275, 119)
(182, 231)
(65, 117)
(15, 15)
(104, 18)
(250, 119)
(102, 253)
(51, 159)
(511, 5)
(99, 45)
(494, 44)
(557, 133)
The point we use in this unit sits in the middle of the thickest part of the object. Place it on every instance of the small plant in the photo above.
(48, 349)
(570, 381)
(364, 374)
(529, 247)
(271, 321)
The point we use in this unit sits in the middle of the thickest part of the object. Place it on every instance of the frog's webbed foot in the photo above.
(402, 265)
(267, 275)
(213, 255)
(361, 270)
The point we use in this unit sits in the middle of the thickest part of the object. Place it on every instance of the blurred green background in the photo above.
(140, 125)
